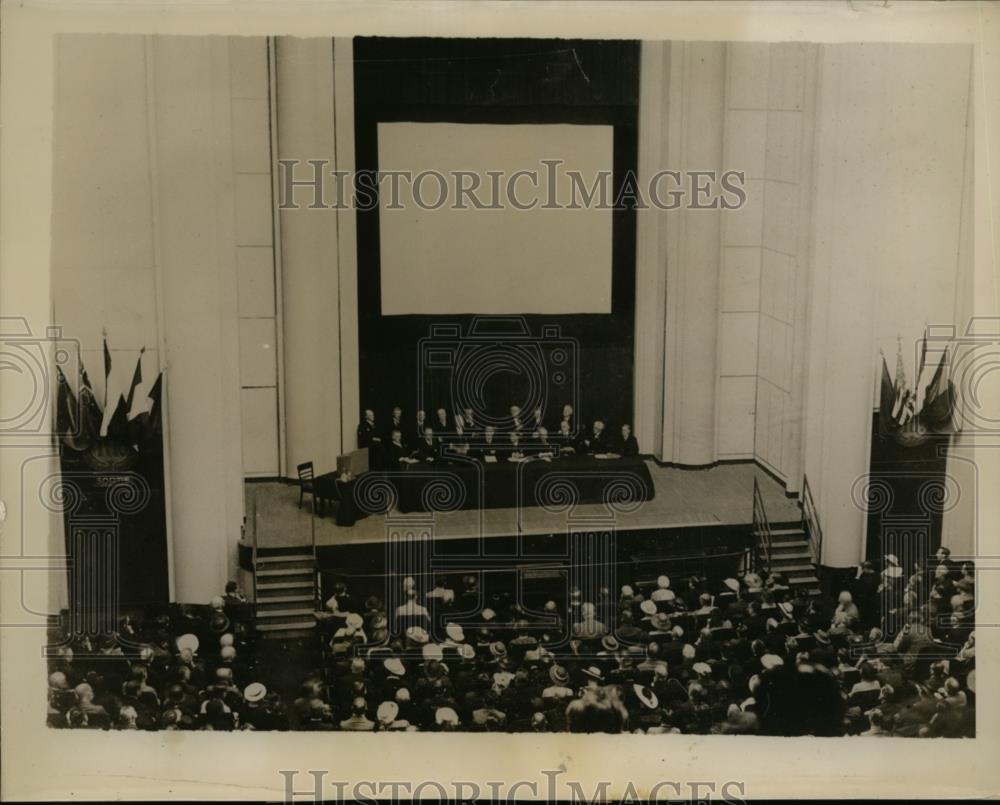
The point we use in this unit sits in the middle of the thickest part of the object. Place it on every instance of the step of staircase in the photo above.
(288, 617)
(264, 589)
(286, 629)
(273, 602)
(292, 561)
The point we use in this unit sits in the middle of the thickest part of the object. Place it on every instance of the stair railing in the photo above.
(761, 533)
(810, 522)
(317, 593)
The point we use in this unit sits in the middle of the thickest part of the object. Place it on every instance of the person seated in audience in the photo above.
(565, 439)
(536, 420)
(945, 563)
(395, 422)
(593, 441)
(233, 595)
(626, 444)
(368, 433)
(427, 447)
(421, 424)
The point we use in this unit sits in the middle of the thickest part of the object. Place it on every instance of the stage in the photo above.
(684, 498)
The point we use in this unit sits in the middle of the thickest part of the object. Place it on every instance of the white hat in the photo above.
(467, 651)
(355, 621)
(227, 653)
(732, 584)
(502, 679)
(663, 582)
(331, 603)
(432, 651)
(387, 712)
(403, 695)
(770, 661)
(627, 591)
(488, 614)
(646, 696)
(417, 634)
(254, 692)
(226, 640)
(688, 651)
(217, 602)
(891, 559)
(677, 631)
(702, 668)
(663, 594)
(187, 641)
(648, 607)
(455, 632)
(394, 666)
(446, 715)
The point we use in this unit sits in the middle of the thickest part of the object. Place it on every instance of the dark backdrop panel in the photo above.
(499, 81)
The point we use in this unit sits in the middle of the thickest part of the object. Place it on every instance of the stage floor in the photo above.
(722, 495)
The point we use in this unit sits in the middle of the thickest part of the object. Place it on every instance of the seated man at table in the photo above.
(626, 444)
(397, 453)
(441, 422)
(395, 423)
(593, 441)
(427, 447)
(515, 450)
(567, 417)
(565, 439)
(541, 446)
(471, 422)
(489, 445)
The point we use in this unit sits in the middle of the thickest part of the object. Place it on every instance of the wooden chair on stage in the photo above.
(306, 475)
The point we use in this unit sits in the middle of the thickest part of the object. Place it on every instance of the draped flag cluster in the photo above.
(899, 415)
(80, 418)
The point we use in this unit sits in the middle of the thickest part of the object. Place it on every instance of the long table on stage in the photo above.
(452, 484)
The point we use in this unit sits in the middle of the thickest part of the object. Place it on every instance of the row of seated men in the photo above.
(516, 438)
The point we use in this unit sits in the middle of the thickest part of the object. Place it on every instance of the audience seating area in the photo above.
(889, 655)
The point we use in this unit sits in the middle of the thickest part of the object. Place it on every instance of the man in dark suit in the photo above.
(427, 447)
(594, 440)
(541, 445)
(418, 430)
(396, 452)
(395, 423)
(567, 417)
(626, 444)
(368, 434)
(470, 422)
(515, 422)
(566, 439)
(488, 446)
(441, 423)
(514, 450)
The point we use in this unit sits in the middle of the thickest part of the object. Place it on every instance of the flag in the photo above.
(136, 380)
(118, 426)
(91, 415)
(67, 416)
(939, 397)
(107, 368)
(155, 416)
(886, 400)
(898, 406)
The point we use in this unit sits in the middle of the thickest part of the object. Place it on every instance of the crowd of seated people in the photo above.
(891, 654)
(515, 438)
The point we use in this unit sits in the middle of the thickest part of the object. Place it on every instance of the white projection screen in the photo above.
(494, 261)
